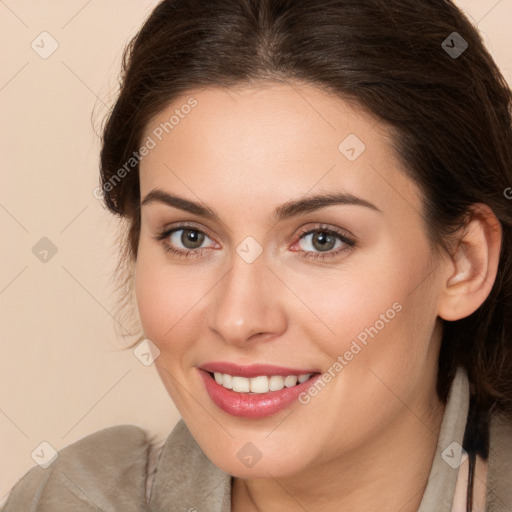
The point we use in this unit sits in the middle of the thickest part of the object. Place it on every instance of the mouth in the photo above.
(259, 384)
(258, 396)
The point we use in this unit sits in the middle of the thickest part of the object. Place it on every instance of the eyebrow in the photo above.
(282, 212)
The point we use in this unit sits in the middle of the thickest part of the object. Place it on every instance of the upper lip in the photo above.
(253, 370)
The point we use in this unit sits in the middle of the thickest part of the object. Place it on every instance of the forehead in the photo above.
(271, 141)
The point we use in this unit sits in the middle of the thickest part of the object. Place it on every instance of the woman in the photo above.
(317, 202)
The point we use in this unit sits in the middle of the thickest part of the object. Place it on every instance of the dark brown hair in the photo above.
(450, 116)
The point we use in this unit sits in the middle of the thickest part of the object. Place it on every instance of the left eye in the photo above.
(320, 241)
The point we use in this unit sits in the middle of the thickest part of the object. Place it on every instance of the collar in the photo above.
(440, 490)
(187, 480)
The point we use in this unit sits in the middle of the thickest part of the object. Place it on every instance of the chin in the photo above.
(243, 459)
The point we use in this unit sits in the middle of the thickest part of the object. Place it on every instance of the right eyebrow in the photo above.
(159, 196)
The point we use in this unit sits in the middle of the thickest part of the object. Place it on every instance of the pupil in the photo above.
(323, 239)
(192, 237)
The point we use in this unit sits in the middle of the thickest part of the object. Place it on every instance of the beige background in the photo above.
(63, 371)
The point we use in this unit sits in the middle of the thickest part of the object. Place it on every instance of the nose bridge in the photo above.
(241, 305)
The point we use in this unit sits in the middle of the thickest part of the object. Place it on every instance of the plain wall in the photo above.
(63, 371)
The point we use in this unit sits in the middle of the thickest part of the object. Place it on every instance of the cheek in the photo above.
(378, 313)
(167, 298)
(383, 347)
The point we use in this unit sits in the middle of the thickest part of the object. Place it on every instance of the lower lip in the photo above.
(253, 405)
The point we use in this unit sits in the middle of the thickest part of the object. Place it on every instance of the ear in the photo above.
(474, 264)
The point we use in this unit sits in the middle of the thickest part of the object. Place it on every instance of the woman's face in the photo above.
(344, 289)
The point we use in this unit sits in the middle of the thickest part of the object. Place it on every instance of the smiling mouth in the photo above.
(259, 384)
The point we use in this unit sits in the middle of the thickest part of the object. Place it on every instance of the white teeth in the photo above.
(276, 383)
(227, 381)
(290, 381)
(260, 384)
(241, 384)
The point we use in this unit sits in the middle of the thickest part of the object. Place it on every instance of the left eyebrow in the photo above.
(313, 203)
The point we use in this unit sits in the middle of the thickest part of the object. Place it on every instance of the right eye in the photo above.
(183, 240)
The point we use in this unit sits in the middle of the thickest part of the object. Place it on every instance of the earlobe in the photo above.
(474, 265)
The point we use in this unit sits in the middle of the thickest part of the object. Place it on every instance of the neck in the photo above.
(392, 469)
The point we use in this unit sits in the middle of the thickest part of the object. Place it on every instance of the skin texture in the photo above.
(366, 441)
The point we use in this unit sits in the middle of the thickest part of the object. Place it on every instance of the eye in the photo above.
(183, 240)
(189, 238)
(324, 242)
(321, 242)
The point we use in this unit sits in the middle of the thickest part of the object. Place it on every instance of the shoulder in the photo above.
(499, 477)
(105, 470)
(185, 478)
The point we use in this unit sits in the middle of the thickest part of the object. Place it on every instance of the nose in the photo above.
(247, 304)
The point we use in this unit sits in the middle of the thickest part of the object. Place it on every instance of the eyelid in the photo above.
(326, 227)
(311, 227)
(187, 225)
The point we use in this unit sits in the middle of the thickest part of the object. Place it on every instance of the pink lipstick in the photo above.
(259, 404)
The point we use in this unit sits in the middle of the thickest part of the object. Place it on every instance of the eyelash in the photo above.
(349, 242)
